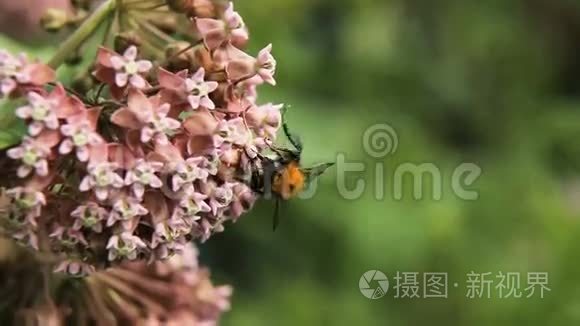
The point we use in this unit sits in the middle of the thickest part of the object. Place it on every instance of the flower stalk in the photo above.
(91, 24)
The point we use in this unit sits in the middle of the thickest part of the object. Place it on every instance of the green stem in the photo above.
(83, 32)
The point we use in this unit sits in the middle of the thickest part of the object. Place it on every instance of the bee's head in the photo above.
(289, 181)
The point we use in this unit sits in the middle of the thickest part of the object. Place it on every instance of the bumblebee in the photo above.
(281, 177)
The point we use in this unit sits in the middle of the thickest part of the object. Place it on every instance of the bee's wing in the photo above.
(276, 220)
(315, 171)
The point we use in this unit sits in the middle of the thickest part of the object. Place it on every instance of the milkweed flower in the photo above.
(33, 155)
(215, 32)
(121, 71)
(150, 158)
(18, 74)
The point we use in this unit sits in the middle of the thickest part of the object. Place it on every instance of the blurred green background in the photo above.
(495, 83)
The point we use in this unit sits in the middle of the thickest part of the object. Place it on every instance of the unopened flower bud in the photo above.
(203, 9)
(74, 58)
(166, 23)
(54, 20)
(180, 55)
(81, 4)
(180, 6)
(125, 40)
(83, 84)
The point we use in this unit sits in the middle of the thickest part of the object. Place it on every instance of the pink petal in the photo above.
(23, 171)
(40, 73)
(239, 69)
(155, 182)
(121, 79)
(211, 86)
(173, 124)
(67, 130)
(161, 139)
(267, 77)
(169, 80)
(199, 75)
(194, 101)
(99, 153)
(139, 104)
(52, 122)
(66, 146)
(215, 39)
(48, 138)
(264, 54)
(35, 128)
(117, 62)
(35, 99)
(125, 118)
(92, 117)
(207, 103)
(146, 134)
(163, 110)
(144, 65)
(15, 153)
(138, 81)
(104, 56)
(7, 86)
(102, 193)
(208, 25)
(131, 53)
(83, 153)
(239, 36)
(42, 168)
(139, 190)
(85, 184)
(24, 112)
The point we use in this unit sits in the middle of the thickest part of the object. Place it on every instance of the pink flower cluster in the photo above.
(156, 165)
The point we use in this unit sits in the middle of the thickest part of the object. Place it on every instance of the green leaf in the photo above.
(11, 128)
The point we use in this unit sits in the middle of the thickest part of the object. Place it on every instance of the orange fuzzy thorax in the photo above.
(289, 182)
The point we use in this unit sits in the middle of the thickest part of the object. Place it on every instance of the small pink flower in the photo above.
(33, 155)
(26, 206)
(89, 216)
(187, 172)
(125, 210)
(266, 65)
(17, 71)
(129, 70)
(68, 237)
(243, 199)
(121, 71)
(232, 131)
(265, 120)
(143, 175)
(195, 90)
(192, 204)
(149, 115)
(102, 178)
(74, 268)
(81, 134)
(170, 238)
(41, 111)
(125, 245)
(218, 196)
(216, 32)
(199, 90)
(26, 237)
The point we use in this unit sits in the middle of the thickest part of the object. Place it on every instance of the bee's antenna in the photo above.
(294, 139)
